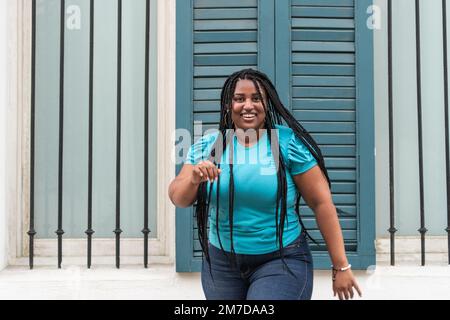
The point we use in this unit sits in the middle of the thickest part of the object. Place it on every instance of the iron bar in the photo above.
(89, 232)
(31, 232)
(392, 228)
(146, 230)
(60, 230)
(118, 231)
(422, 228)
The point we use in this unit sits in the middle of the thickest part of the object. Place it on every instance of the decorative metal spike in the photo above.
(392, 230)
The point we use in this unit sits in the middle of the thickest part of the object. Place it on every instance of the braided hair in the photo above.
(275, 113)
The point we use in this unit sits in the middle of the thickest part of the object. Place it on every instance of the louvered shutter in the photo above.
(310, 48)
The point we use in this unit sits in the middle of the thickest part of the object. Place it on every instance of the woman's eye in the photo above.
(238, 99)
(256, 99)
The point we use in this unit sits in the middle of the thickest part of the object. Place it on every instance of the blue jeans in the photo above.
(260, 277)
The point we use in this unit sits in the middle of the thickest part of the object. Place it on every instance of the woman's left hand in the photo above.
(344, 283)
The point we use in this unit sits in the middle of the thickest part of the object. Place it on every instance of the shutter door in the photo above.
(323, 98)
(309, 48)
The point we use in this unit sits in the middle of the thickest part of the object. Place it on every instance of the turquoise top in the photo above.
(255, 191)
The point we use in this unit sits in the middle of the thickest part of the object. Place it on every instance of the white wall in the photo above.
(406, 159)
(3, 109)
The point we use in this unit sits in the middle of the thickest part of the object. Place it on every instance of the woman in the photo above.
(256, 247)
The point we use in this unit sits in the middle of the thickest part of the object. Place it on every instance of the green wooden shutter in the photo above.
(314, 50)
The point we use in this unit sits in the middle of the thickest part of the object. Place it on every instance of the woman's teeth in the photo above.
(248, 116)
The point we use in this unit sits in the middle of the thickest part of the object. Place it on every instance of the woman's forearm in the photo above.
(182, 192)
(330, 228)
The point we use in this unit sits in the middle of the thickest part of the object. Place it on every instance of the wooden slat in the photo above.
(225, 25)
(225, 36)
(209, 94)
(341, 127)
(322, 35)
(337, 138)
(307, 213)
(209, 83)
(323, 92)
(327, 81)
(323, 58)
(247, 47)
(323, 46)
(324, 115)
(336, 151)
(322, 12)
(213, 105)
(340, 163)
(229, 13)
(342, 175)
(305, 103)
(218, 71)
(224, 3)
(323, 69)
(321, 3)
(225, 59)
(323, 23)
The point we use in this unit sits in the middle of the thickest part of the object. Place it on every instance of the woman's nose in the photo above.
(248, 104)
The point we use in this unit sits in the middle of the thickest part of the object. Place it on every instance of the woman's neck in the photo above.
(249, 137)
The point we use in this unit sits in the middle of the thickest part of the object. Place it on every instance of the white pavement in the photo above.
(162, 282)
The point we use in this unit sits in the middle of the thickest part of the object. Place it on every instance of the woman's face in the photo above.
(247, 110)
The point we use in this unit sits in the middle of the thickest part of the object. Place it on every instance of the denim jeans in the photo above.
(260, 277)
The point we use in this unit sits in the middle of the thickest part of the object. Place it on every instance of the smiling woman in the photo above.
(259, 249)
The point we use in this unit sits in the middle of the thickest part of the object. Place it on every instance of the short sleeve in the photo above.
(200, 150)
(300, 158)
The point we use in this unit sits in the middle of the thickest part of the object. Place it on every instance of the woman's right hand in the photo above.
(203, 171)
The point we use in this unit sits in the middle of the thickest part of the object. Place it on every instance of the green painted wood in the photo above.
(323, 23)
(322, 12)
(305, 103)
(323, 46)
(323, 92)
(209, 83)
(184, 242)
(323, 69)
(225, 59)
(218, 71)
(335, 138)
(329, 127)
(211, 25)
(225, 36)
(321, 3)
(323, 35)
(230, 47)
(342, 175)
(229, 13)
(366, 137)
(327, 81)
(266, 37)
(325, 115)
(323, 57)
(224, 3)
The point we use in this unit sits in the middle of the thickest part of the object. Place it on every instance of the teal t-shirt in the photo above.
(255, 191)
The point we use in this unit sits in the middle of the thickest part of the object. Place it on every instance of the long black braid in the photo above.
(275, 114)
